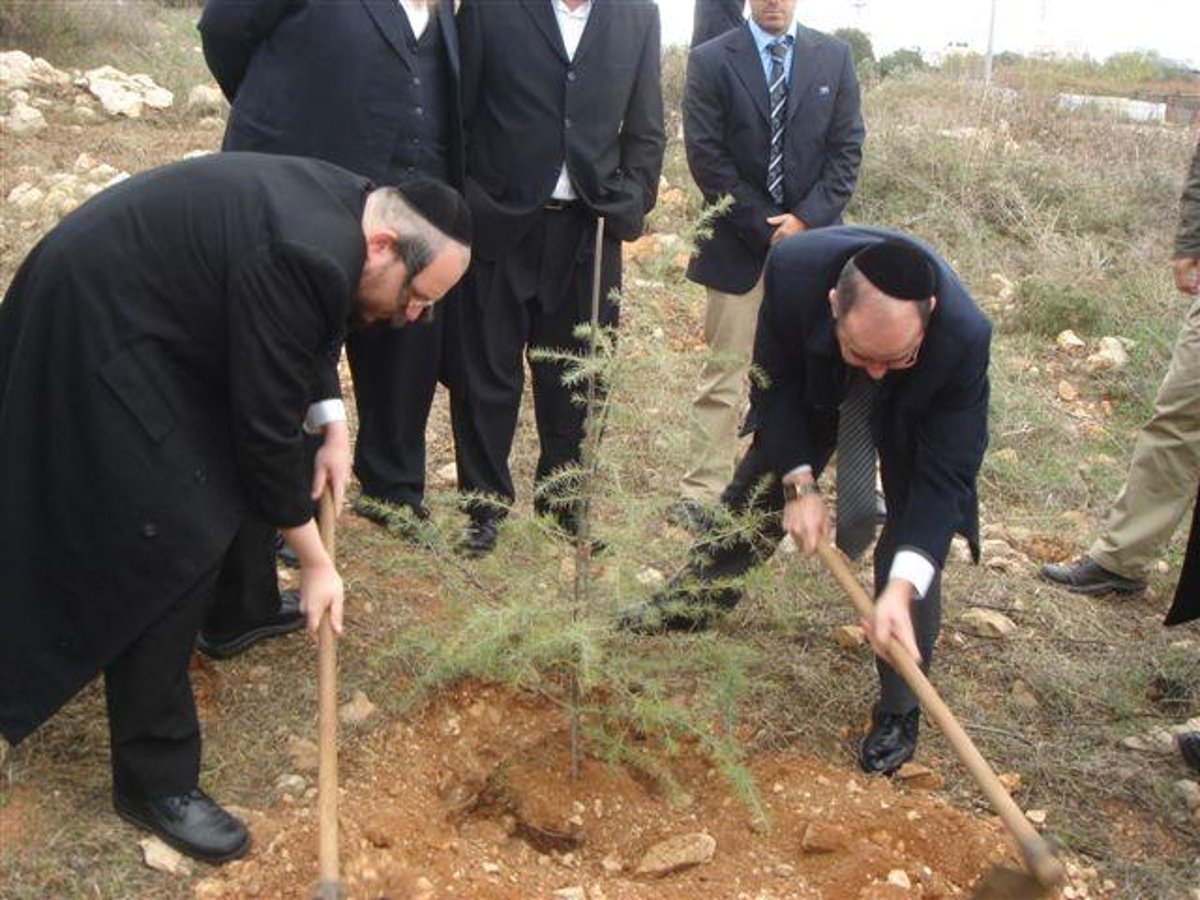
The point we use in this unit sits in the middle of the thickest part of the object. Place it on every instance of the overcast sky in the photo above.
(1096, 27)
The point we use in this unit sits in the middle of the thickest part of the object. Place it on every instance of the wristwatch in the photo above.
(795, 491)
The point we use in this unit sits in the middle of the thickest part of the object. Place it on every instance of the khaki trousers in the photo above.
(729, 323)
(1164, 470)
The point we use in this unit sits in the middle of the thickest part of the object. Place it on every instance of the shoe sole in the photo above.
(229, 649)
(213, 858)
(1096, 590)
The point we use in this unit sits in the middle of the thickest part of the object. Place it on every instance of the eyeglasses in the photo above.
(905, 360)
(410, 301)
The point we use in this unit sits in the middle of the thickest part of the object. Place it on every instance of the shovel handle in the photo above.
(327, 779)
(1039, 858)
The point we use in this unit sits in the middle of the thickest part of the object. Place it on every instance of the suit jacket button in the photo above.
(149, 530)
(570, 74)
(566, 123)
(199, 477)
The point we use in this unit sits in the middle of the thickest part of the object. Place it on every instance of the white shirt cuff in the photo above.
(804, 469)
(914, 568)
(322, 413)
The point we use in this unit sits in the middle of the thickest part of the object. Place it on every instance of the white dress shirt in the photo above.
(571, 23)
(418, 15)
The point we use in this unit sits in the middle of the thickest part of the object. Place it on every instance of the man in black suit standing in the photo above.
(771, 119)
(867, 342)
(175, 324)
(371, 86)
(562, 102)
(711, 18)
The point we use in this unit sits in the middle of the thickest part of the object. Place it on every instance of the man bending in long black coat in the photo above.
(158, 349)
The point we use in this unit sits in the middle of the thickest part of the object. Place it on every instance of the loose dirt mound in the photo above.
(474, 799)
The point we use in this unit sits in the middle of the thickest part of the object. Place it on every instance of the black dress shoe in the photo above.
(405, 520)
(479, 537)
(662, 615)
(1189, 749)
(192, 823)
(226, 644)
(692, 516)
(891, 743)
(1085, 576)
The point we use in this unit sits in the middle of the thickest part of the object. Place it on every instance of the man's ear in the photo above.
(381, 241)
(833, 302)
(932, 304)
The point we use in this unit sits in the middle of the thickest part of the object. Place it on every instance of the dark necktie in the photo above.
(778, 92)
(856, 512)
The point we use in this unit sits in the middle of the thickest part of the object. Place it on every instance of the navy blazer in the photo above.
(727, 135)
(527, 107)
(322, 78)
(930, 421)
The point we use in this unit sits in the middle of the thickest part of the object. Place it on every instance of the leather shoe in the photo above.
(479, 537)
(692, 516)
(679, 608)
(1085, 576)
(1189, 749)
(891, 742)
(404, 520)
(227, 644)
(192, 823)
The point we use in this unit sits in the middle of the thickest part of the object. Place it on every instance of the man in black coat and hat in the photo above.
(158, 349)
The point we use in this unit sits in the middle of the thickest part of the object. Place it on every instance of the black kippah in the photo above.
(441, 206)
(898, 269)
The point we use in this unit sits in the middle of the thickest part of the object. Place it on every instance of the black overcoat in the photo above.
(527, 107)
(929, 421)
(1186, 605)
(158, 349)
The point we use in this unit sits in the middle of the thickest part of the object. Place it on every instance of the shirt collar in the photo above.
(580, 13)
(762, 39)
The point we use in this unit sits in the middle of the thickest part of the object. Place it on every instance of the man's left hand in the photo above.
(333, 462)
(785, 226)
(893, 619)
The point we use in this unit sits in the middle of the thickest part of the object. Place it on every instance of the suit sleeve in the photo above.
(823, 204)
(778, 382)
(643, 137)
(950, 441)
(470, 48)
(712, 168)
(230, 32)
(280, 328)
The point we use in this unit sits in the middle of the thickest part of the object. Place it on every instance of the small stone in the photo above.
(575, 892)
(850, 637)
(783, 870)
(919, 777)
(447, 474)
(290, 785)
(1110, 357)
(1023, 696)
(1067, 391)
(1068, 340)
(677, 853)
(1190, 792)
(22, 120)
(206, 98)
(303, 754)
(161, 858)
(1010, 781)
(1036, 816)
(899, 878)
(611, 864)
(357, 711)
(987, 623)
(650, 577)
(422, 889)
(491, 868)
(820, 837)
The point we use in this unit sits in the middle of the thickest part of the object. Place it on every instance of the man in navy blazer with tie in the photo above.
(786, 150)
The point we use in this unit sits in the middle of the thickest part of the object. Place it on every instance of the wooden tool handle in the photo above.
(327, 779)
(1038, 856)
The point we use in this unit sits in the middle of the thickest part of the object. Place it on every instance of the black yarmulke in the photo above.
(898, 268)
(442, 207)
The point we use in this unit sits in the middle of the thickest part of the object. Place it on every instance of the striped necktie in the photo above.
(778, 92)
(856, 508)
